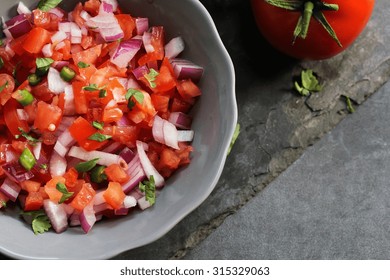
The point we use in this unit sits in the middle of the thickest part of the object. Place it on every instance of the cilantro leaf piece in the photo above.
(99, 137)
(98, 125)
(46, 5)
(65, 193)
(234, 138)
(102, 93)
(43, 64)
(91, 87)
(149, 188)
(28, 137)
(41, 224)
(151, 77)
(86, 166)
(309, 83)
(3, 203)
(350, 107)
(138, 96)
(1, 61)
(82, 64)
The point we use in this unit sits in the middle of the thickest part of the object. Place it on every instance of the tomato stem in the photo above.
(307, 13)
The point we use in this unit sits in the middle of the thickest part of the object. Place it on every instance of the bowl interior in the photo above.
(215, 116)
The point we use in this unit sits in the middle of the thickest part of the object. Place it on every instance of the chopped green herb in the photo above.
(83, 65)
(29, 138)
(3, 86)
(4, 204)
(234, 138)
(27, 159)
(46, 5)
(67, 73)
(43, 65)
(91, 87)
(99, 137)
(151, 77)
(309, 83)
(43, 166)
(40, 221)
(33, 79)
(1, 62)
(65, 193)
(86, 166)
(1, 40)
(138, 96)
(98, 175)
(98, 125)
(350, 107)
(102, 93)
(149, 188)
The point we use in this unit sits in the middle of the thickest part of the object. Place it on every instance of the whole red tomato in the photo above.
(347, 18)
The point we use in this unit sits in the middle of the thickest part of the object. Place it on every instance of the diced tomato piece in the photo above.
(76, 14)
(80, 101)
(47, 115)
(184, 153)
(165, 80)
(88, 56)
(92, 7)
(123, 134)
(9, 84)
(42, 92)
(112, 114)
(36, 39)
(45, 20)
(17, 44)
(188, 89)
(157, 42)
(115, 173)
(33, 202)
(71, 177)
(160, 102)
(114, 195)
(81, 130)
(127, 25)
(11, 118)
(83, 197)
(65, 50)
(19, 146)
(51, 188)
(30, 186)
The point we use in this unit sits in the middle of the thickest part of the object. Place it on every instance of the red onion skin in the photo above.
(10, 189)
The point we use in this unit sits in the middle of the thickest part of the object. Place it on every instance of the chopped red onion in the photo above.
(74, 220)
(170, 135)
(113, 147)
(87, 218)
(113, 3)
(141, 25)
(125, 52)
(132, 83)
(180, 120)
(107, 25)
(98, 198)
(10, 189)
(22, 114)
(143, 203)
(127, 154)
(174, 47)
(100, 208)
(158, 129)
(57, 215)
(9, 50)
(75, 33)
(64, 26)
(136, 193)
(134, 180)
(129, 201)
(105, 8)
(66, 139)
(55, 83)
(111, 34)
(104, 158)
(185, 69)
(148, 167)
(147, 40)
(16, 172)
(37, 150)
(84, 15)
(60, 64)
(17, 26)
(60, 45)
(57, 12)
(140, 72)
(60, 149)
(57, 165)
(185, 135)
(121, 211)
(23, 9)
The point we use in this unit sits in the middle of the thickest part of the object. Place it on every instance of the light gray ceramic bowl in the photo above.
(215, 117)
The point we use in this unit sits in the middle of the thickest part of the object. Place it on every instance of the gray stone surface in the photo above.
(332, 203)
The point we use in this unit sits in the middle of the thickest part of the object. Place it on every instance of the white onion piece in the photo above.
(59, 36)
(22, 114)
(84, 15)
(69, 106)
(75, 33)
(57, 215)
(60, 149)
(143, 203)
(23, 9)
(174, 47)
(64, 26)
(170, 135)
(148, 167)
(37, 150)
(47, 50)
(87, 218)
(57, 165)
(185, 135)
(104, 158)
(10, 189)
(129, 201)
(158, 129)
(55, 83)
(66, 139)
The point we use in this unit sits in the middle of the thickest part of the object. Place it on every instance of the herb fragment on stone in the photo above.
(234, 138)
(308, 84)
(350, 107)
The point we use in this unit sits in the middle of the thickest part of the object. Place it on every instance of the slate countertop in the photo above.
(262, 193)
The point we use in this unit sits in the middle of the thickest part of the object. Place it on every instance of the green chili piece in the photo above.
(67, 74)
(27, 159)
(33, 79)
(24, 97)
(98, 175)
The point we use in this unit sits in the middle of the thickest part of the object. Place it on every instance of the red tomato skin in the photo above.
(277, 26)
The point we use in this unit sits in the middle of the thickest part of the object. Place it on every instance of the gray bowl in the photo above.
(215, 117)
